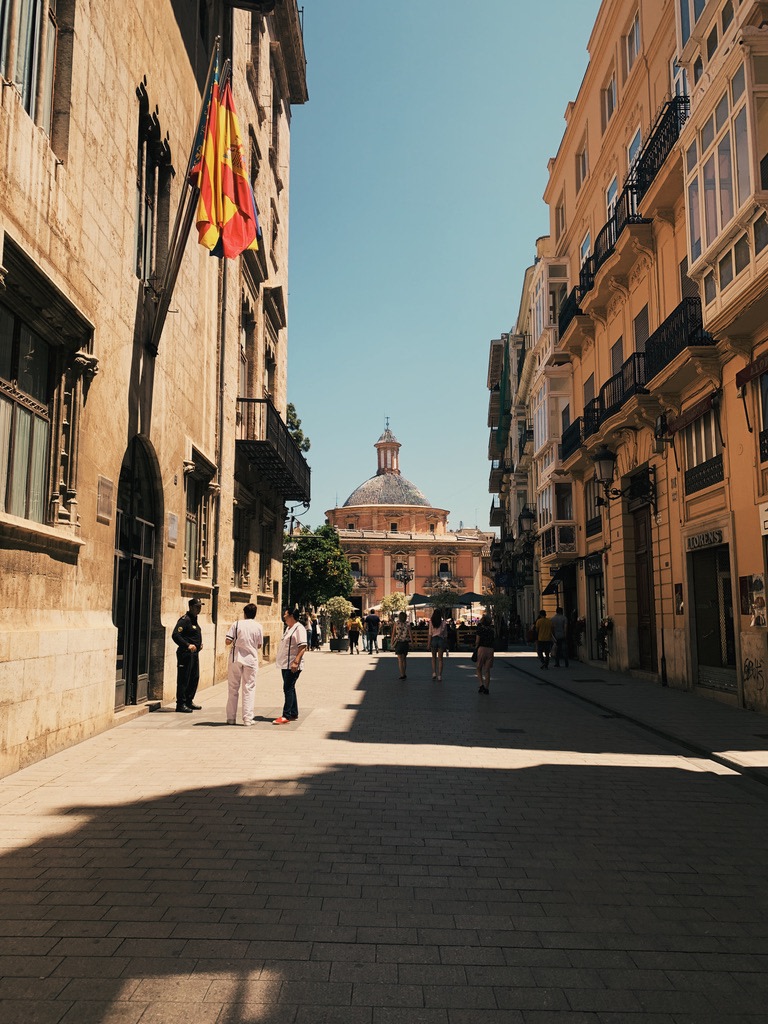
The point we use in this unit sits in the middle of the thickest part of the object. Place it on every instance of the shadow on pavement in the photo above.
(563, 887)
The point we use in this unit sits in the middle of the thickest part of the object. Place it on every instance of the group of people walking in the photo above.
(245, 638)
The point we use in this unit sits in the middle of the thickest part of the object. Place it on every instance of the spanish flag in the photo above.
(227, 222)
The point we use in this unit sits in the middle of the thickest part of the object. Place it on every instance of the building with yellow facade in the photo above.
(643, 322)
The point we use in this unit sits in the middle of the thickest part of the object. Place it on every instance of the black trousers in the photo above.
(187, 677)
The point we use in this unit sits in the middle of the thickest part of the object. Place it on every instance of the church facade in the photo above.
(388, 525)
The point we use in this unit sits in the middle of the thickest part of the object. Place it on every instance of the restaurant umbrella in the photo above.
(471, 598)
(419, 599)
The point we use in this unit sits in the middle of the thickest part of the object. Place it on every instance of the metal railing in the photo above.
(568, 310)
(630, 380)
(682, 328)
(526, 436)
(591, 417)
(573, 438)
(704, 475)
(661, 141)
(259, 421)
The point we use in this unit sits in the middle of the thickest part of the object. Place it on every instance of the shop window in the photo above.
(43, 383)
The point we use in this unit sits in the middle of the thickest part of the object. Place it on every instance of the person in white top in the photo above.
(244, 638)
(290, 660)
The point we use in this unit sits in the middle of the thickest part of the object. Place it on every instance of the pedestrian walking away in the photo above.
(560, 638)
(188, 638)
(452, 636)
(484, 640)
(290, 660)
(437, 638)
(245, 638)
(372, 626)
(543, 628)
(402, 638)
(354, 629)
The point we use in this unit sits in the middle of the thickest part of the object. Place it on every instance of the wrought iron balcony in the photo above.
(661, 141)
(267, 444)
(591, 417)
(704, 475)
(496, 515)
(573, 438)
(499, 468)
(682, 329)
(630, 380)
(526, 438)
(568, 310)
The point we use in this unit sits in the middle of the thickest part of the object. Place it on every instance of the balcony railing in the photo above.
(661, 141)
(591, 417)
(704, 475)
(268, 445)
(605, 243)
(573, 438)
(526, 436)
(630, 380)
(568, 310)
(496, 515)
(682, 328)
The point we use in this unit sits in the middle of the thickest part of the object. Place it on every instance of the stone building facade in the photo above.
(134, 472)
(647, 348)
(388, 524)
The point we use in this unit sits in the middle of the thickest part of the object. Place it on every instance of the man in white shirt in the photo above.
(244, 637)
(290, 660)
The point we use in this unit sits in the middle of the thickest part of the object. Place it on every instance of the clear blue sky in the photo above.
(417, 171)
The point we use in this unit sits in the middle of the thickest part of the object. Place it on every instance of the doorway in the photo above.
(713, 631)
(133, 575)
(646, 607)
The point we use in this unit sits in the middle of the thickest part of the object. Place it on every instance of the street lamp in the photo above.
(404, 575)
(605, 466)
(526, 519)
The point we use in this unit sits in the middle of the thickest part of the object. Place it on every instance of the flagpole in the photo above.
(184, 214)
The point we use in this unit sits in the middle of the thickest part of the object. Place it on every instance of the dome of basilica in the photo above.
(387, 489)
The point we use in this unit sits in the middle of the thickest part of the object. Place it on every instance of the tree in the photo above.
(394, 603)
(319, 568)
(294, 427)
(339, 610)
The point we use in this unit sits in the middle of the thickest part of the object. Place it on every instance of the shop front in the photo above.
(596, 638)
(710, 600)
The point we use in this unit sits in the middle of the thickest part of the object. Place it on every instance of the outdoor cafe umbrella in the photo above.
(471, 598)
(419, 599)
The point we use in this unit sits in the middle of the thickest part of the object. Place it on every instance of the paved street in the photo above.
(406, 852)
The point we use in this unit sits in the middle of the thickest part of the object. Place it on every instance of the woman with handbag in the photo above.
(402, 638)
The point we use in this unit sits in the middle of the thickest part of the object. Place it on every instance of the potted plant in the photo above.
(339, 610)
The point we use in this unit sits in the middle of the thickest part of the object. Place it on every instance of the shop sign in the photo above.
(754, 369)
(695, 412)
(593, 565)
(708, 539)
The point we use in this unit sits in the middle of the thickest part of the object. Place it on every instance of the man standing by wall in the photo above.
(188, 638)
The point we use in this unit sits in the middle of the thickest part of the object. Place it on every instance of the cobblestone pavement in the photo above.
(406, 852)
